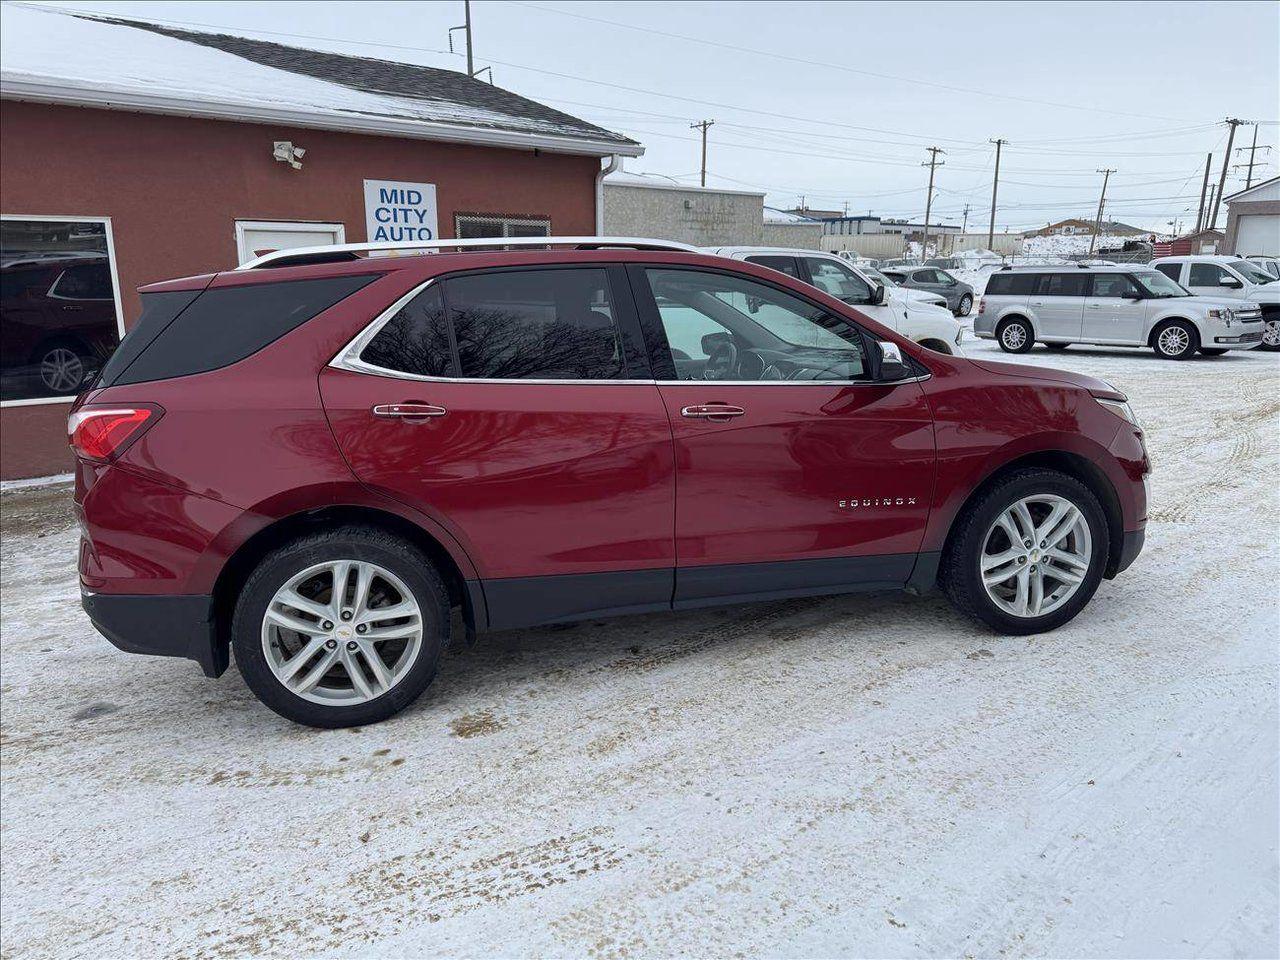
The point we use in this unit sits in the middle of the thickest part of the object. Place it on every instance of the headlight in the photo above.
(1121, 409)
(1225, 315)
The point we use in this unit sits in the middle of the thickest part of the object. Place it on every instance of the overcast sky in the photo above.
(837, 101)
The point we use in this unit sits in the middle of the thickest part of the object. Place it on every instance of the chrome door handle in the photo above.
(1037, 303)
(408, 411)
(1095, 306)
(716, 412)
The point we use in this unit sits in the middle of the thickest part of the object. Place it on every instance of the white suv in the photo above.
(928, 325)
(1231, 278)
(1118, 305)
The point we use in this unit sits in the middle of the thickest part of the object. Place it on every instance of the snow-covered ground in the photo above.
(868, 775)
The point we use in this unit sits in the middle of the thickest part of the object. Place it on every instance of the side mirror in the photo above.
(877, 294)
(1231, 282)
(892, 366)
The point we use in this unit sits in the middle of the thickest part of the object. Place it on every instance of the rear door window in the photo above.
(1171, 270)
(550, 324)
(785, 265)
(1063, 285)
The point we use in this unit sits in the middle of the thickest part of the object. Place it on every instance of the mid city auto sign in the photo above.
(400, 212)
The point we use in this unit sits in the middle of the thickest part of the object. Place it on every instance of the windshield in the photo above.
(1156, 284)
(1251, 271)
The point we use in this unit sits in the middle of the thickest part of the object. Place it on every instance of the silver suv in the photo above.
(1120, 305)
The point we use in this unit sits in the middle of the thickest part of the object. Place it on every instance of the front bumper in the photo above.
(159, 625)
(1243, 339)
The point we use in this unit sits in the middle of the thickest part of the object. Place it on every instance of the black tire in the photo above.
(1181, 332)
(1211, 352)
(1270, 329)
(1015, 335)
(960, 574)
(965, 306)
(1057, 346)
(397, 556)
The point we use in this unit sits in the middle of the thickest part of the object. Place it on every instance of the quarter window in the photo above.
(415, 340)
(724, 327)
(536, 324)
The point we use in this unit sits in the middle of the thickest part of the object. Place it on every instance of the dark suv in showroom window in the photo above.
(315, 459)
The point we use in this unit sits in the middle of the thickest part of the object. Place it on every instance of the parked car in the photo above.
(1269, 264)
(928, 325)
(59, 322)
(317, 458)
(1230, 278)
(959, 295)
(903, 293)
(1119, 305)
(945, 263)
(897, 262)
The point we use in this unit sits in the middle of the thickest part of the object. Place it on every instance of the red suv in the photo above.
(313, 460)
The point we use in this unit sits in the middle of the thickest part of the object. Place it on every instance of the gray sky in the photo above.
(837, 101)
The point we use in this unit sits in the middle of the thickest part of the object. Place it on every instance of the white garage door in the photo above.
(256, 237)
(1258, 236)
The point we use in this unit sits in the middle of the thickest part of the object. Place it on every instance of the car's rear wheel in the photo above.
(965, 306)
(1176, 340)
(1028, 554)
(1014, 335)
(341, 628)
(1270, 333)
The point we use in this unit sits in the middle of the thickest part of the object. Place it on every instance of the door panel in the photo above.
(1058, 304)
(533, 479)
(807, 471)
(1113, 313)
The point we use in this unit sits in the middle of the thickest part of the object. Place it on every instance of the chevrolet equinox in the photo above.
(315, 459)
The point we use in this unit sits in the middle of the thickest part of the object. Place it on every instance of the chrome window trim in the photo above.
(348, 358)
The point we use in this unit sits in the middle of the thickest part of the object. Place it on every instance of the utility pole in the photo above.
(995, 185)
(933, 163)
(1204, 187)
(471, 64)
(1226, 159)
(1253, 158)
(1097, 226)
(964, 227)
(703, 127)
(1213, 187)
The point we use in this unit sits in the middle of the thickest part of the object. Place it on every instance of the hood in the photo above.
(906, 293)
(1022, 371)
(1216, 303)
(1264, 292)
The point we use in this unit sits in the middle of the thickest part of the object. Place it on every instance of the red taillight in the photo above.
(982, 306)
(101, 434)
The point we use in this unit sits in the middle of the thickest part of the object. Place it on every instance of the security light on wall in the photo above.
(286, 152)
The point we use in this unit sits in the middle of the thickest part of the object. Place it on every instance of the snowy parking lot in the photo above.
(868, 775)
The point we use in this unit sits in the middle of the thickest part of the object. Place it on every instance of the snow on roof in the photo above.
(660, 181)
(58, 56)
(774, 215)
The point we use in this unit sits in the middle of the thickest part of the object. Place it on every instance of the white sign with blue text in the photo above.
(400, 212)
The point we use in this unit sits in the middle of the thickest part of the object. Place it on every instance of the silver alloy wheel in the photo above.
(1173, 341)
(1014, 336)
(61, 370)
(1035, 555)
(1271, 333)
(965, 305)
(342, 633)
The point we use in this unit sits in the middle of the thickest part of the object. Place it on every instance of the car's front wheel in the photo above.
(965, 306)
(1176, 340)
(341, 628)
(1028, 554)
(1014, 336)
(1271, 333)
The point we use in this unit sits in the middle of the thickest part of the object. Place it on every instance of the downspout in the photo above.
(615, 163)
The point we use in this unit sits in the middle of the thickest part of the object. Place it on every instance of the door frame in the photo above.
(244, 255)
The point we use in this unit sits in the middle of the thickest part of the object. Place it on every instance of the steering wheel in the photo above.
(722, 362)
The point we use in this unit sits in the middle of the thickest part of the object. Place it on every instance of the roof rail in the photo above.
(329, 253)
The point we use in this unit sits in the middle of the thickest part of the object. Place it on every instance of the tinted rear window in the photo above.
(158, 311)
(415, 340)
(1063, 284)
(1010, 284)
(225, 325)
(536, 324)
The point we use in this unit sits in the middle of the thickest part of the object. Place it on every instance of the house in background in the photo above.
(135, 152)
(1253, 220)
(1075, 226)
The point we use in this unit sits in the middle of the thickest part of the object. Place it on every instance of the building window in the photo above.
(482, 226)
(59, 306)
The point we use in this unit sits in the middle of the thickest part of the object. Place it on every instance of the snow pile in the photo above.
(774, 215)
(1075, 245)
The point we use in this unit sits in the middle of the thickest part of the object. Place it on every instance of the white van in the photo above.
(1229, 278)
(928, 325)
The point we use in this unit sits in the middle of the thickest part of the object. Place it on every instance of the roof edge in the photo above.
(27, 88)
(1247, 190)
(679, 187)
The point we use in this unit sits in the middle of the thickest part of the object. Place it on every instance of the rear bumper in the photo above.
(162, 626)
(1132, 546)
